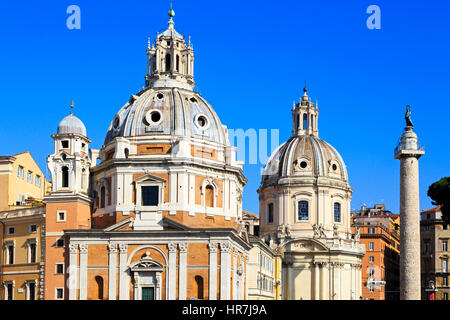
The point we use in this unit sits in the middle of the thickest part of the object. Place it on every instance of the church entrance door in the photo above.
(148, 293)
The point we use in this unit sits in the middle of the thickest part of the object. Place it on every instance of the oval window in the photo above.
(160, 96)
(303, 164)
(334, 166)
(116, 123)
(153, 117)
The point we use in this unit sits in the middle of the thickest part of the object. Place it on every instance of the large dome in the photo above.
(305, 155)
(71, 124)
(167, 111)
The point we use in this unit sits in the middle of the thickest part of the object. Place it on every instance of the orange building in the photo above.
(379, 231)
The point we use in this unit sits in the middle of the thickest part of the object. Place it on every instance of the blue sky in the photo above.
(252, 59)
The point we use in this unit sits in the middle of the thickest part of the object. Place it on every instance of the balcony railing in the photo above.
(420, 147)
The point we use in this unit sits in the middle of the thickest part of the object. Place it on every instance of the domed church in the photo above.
(156, 212)
(304, 201)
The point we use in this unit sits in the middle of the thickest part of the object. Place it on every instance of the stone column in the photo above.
(172, 269)
(182, 271)
(83, 271)
(112, 271)
(316, 281)
(213, 270)
(73, 271)
(124, 283)
(408, 153)
(225, 270)
(323, 295)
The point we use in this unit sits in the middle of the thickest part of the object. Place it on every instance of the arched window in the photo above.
(209, 196)
(127, 152)
(178, 63)
(312, 122)
(337, 212)
(99, 281)
(65, 177)
(305, 121)
(199, 287)
(303, 211)
(297, 123)
(167, 62)
(270, 213)
(102, 197)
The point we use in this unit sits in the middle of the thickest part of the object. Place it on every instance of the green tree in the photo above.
(439, 192)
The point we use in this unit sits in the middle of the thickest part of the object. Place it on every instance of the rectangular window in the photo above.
(20, 172)
(370, 246)
(303, 211)
(30, 177)
(444, 245)
(59, 294)
(445, 226)
(60, 216)
(9, 291)
(370, 288)
(445, 296)
(371, 230)
(150, 195)
(33, 228)
(371, 259)
(59, 268)
(37, 181)
(270, 213)
(60, 243)
(444, 265)
(445, 281)
(11, 230)
(32, 248)
(31, 291)
(65, 144)
(10, 250)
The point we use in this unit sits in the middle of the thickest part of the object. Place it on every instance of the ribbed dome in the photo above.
(167, 111)
(71, 124)
(305, 155)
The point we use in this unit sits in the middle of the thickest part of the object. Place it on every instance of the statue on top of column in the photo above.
(408, 117)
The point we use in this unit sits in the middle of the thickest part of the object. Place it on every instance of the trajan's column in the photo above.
(408, 152)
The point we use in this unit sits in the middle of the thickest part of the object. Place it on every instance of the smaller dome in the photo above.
(71, 124)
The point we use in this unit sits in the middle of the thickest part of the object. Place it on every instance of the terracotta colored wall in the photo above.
(156, 148)
(200, 220)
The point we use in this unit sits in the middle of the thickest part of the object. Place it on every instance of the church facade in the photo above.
(305, 213)
(156, 212)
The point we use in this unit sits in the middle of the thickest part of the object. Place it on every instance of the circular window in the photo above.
(334, 166)
(202, 122)
(153, 117)
(116, 122)
(303, 164)
(160, 96)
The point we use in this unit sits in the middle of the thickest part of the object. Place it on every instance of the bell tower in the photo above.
(69, 164)
(170, 61)
(68, 206)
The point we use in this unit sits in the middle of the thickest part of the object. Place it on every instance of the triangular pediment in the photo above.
(149, 178)
(170, 224)
(120, 225)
